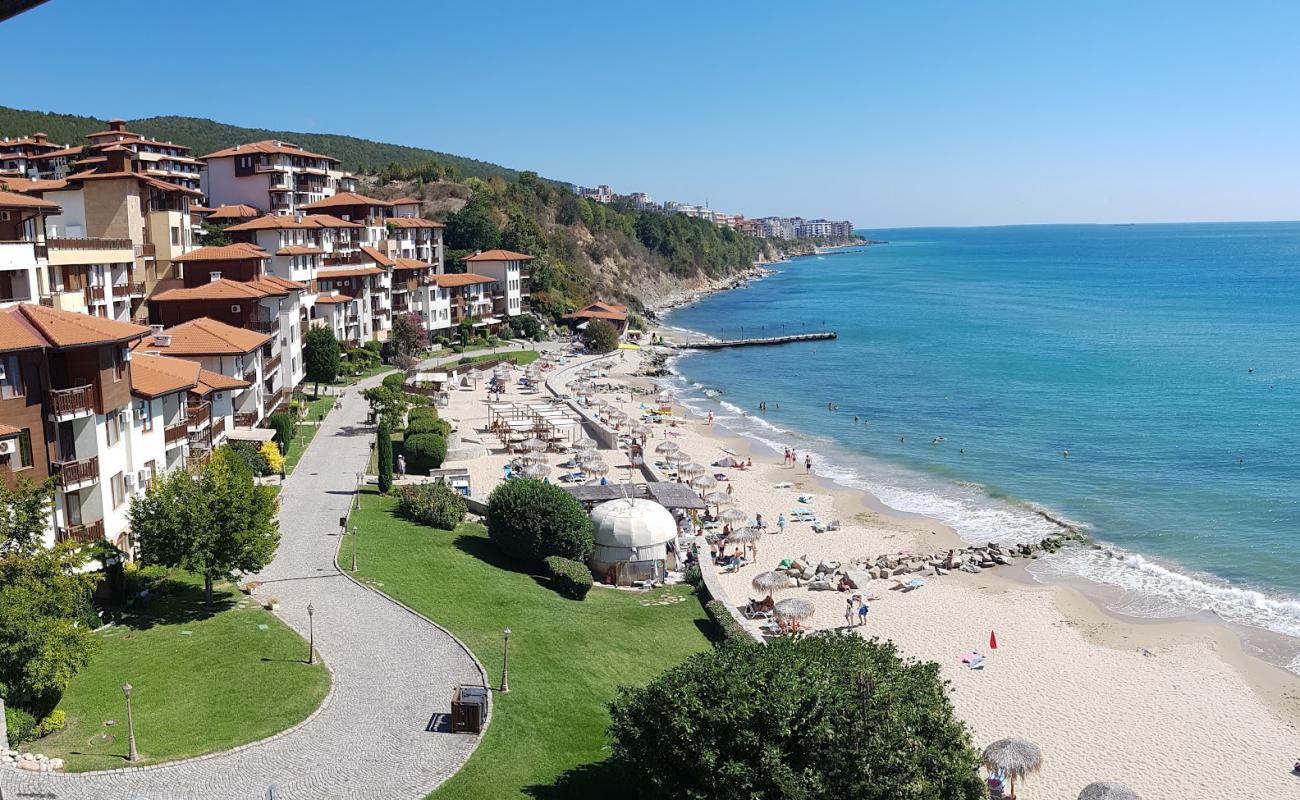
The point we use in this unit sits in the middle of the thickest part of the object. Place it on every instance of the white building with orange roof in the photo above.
(416, 291)
(506, 267)
(279, 177)
(469, 299)
(20, 156)
(23, 261)
(166, 161)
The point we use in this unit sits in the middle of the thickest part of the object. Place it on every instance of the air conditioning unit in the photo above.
(142, 477)
(8, 447)
(139, 414)
(128, 480)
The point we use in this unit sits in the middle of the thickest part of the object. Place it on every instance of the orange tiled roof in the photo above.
(333, 298)
(17, 333)
(70, 329)
(286, 222)
(207, 337)
(268, 146)
(153, 375)
(600, 310)
(498, 255)
(348, 272)
(464, 279)
(29, 186)
(410, 263)
(299, 250)
(222, 289)
(405, 201)
(237, 211)
(162, 186)
(64, 151)
(346, 199)
(9, 430)
(26, 202)
(284, 283)
(210, 381)
(377, 257)
(240, 251)
(414, 222)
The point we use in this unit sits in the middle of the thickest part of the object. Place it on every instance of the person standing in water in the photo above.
(807, 462)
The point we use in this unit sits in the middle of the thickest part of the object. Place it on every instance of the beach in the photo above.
(1173, 709)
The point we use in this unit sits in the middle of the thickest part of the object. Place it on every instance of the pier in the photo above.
(717, 344)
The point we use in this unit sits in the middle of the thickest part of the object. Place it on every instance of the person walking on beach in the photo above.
(848, 612)
(759, 523)
(780, 523)
(862, 612)
(710, 418)
(807, 462)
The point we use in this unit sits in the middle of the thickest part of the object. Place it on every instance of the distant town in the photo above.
(766, 227)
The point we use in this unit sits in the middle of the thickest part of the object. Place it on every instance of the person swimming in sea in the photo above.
(1065, 453)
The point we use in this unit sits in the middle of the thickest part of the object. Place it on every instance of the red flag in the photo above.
(993, 640)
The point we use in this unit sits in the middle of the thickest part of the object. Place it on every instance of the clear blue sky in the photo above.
(889, 114)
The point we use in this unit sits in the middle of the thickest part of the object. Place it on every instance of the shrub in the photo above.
(420, 425)
(422, 412)
(252, 456)
(384, 455)
(457, 349)
(692, 576)
(54, 722)
(285, 427)
(837, 716)
(569, 578)
(20, 724)
(532, 520)
(728, 627)
(434, 504)
(274, 458)
(395, 380)
(424, 452)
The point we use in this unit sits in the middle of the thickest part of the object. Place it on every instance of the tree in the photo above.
(424, 451)
(212, 524)
(600, 337)
(384, 447)
(528, 326)
(321, 356)
(389, 404)
(472, 228)
(408, 336)
(24, 513)
(284, 426)
(837, 717)
(531, 520)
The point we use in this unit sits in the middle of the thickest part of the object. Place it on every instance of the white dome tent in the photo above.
(633, 537)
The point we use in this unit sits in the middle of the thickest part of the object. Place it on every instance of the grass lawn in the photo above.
(201, 682)
(566, 657)
(348, 380)
(520, 357)
(317, 408)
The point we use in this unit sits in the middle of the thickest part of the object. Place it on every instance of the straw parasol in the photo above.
(640, 429)
(733, 515)
(587, 457)
(534, 444)
(718, 499)
(1013, 758)
(533, 458)
(596, 467)
(677, 458)
(585, 444)
(1107, 790)
(770, 582)
(745, 536)
(702, 483)
(795, 608)
(666, 448)
(690, 470)
(537, 471)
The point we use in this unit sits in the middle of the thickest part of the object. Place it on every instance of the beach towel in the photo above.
(783, 485)
(805, 498)
(973, 660)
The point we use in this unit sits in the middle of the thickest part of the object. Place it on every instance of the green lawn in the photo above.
(201, 682)
(316, 409)
(520, 357)
(348, 380)
(566, 657)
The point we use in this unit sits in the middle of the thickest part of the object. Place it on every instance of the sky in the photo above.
(887, 114)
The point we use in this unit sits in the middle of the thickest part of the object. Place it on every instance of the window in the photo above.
(119, 490)
(151, 470)
(25, 449)
(176, 236)
(119, 364)
(148, 416)
(113, 430)
(11, 382)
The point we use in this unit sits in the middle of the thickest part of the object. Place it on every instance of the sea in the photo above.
(1138, 383)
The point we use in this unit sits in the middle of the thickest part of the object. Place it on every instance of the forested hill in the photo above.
(206, 136)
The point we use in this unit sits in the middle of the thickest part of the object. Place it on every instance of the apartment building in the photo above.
(234, 353)
(413, 237)
(23, 250)
(165, 161)
(469, 300)
(506, 268)
(20, 157)
(272, 176)
(360, 293)
(415, 291)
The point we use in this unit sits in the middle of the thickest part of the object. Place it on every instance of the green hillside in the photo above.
(205, 136)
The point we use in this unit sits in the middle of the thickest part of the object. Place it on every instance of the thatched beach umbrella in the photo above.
(718, 499)
(678, 458)
(690, 470)
(744, 536)
(771, 582)
(794, 608)
(596, 467)
(733, 515)
(587, 457)
(534, 444)
(702, 483)
(537, 471)
(640, 429)
(585, 445)
(1107, 790)
(666, 448)
(1013, 759)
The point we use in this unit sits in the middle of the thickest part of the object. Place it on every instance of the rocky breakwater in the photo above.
(818, 574)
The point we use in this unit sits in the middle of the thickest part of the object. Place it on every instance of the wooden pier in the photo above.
(718, 344)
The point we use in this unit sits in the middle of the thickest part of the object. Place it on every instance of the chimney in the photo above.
(297, 218)
(40, 137)
(157, 329)
(214, 276)
(236, 147)
(117, 125)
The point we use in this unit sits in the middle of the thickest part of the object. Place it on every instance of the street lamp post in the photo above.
(354, 548)
(505, 662)
(132, 755)
(311, 634)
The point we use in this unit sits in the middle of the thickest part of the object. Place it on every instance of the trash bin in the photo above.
(468, 708)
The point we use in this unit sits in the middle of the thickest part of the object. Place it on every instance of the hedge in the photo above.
(434, 504)
(395, 380)
(569, 578)
(422, 412)
(531, 520)
(727, 625)
(285, 426)
(424, 452)
(421, 425)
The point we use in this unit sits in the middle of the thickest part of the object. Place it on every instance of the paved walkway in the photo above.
(382, 732)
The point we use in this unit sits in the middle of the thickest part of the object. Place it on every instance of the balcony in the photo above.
(271, 365)
(90, 251)
(271, 326)
(95, 295)
(338, 259)
(246, 420)
(71, 474)
(72, 402)
(89, 533)
(133, 289)
(176, 434)
(272, 401)
(148, 250)
(199, 440)
(197, 415)
(218, 428)
(90, 244)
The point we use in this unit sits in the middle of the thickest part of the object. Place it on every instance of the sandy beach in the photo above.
(1173, 709)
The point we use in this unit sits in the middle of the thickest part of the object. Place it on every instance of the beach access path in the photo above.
(381, 731)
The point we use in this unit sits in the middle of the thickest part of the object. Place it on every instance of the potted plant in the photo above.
(272, 604)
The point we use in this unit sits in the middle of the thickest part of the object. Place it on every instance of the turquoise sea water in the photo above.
(1164, 358)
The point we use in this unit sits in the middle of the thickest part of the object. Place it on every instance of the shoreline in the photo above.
(1071, 603)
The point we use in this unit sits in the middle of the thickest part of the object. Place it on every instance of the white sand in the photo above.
(1195, 718)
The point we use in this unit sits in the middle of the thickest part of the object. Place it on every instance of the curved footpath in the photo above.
(382, 730)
